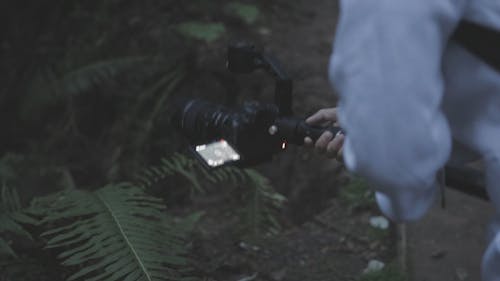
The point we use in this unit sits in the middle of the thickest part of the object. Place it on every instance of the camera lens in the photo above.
(202, 121)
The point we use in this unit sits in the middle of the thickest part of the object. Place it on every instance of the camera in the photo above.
(251, 133)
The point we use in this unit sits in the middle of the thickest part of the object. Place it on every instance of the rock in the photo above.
(374, 266)
(379, 222)
(244, 246)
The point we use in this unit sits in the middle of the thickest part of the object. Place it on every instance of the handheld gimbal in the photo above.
(252, 133)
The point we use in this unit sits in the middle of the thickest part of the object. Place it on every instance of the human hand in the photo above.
(327, 143)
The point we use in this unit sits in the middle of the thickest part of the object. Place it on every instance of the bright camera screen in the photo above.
(217, 153)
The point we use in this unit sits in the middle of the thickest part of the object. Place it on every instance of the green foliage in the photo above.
(208, 32)
(260, 201)
(357, 194)
(87, 119)
(90, 75)
(11, 218)
(246, 12)
(8, 164)
(49, 87)
(177, 164)
(116, 233)
(138, 122)
(263, 202)
(58, 107)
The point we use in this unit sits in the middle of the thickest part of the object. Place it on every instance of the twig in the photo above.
(402, 247)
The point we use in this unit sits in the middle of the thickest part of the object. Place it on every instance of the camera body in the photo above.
(246, 129)
(252, 133)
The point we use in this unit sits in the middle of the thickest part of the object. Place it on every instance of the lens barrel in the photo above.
(201, 121)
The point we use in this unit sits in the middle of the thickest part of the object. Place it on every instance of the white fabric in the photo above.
(405, 92)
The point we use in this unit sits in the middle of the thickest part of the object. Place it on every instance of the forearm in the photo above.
(387, 69)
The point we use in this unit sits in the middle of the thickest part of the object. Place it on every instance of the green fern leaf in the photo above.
(246, 12)
(49, 86)
(11, 215)
(208, 32)
(261, 202)
(116, 233)
(5, 248)
(93, 74)
(177, 164)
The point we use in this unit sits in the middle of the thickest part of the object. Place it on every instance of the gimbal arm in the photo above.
(243, 58)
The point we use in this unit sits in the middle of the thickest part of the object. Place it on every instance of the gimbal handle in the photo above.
(295, 129)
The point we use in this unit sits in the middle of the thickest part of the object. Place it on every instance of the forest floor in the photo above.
(448, 244)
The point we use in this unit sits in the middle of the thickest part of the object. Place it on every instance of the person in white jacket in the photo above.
(405, 91)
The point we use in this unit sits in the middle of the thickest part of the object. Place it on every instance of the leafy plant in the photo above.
(246, 12)
(357, 194)
(49, 86)
(58, 100)
(11, 218)
(90, 75)
(116, 233)
(261, 202)
(9, 168)
(208, 32)
(176, 164)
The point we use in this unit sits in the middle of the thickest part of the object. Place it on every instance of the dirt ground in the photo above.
(448, 244)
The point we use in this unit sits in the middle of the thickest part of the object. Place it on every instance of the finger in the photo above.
(326, 114)
(323, 140)
(326, 123)
(340, 155)
(335, 145)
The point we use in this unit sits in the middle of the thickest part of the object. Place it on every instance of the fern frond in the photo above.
(177, 164)
(11, 215)
(93, 74)
(262, 206)
(262, 203)
(48, 86)
(116, 233)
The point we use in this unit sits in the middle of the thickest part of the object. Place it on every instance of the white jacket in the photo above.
(405, 91)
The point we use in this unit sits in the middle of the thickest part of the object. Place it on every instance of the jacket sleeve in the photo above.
(386, 67)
